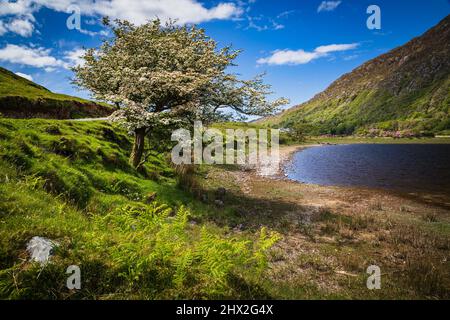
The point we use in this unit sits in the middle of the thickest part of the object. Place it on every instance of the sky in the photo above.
(301, 45)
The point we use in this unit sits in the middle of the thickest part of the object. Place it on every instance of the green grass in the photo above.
(21, 98)
(14, 85)
(133, 234)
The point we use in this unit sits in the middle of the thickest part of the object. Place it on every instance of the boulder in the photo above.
(40, 249)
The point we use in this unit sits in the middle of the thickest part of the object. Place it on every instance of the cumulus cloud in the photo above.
(22, 27)
(281, 57)
(136, 11)
(38, 57)
(17, 8)
(17, 17)
(26, 76)
(29, 56)
(74, 57)
(295, 57)
(328, 5)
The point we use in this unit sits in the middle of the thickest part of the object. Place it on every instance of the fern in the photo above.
(182, 265)
(266, 241)
(153, 241)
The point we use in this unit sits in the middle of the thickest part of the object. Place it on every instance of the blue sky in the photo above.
(302, 45)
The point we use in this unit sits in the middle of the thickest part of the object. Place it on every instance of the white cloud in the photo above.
(26, 76)
(336, 47)
(40, 57)
(74, 57)
(281, 57)
(22, 27)
(262, 23)
(295, 57)
(49, 69)
(136, 11)
(34, 57)
(285, 14)
(17, 8)
(18, 17)
(185, 11)
(328, 6)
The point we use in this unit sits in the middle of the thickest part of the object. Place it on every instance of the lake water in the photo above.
(405, 167)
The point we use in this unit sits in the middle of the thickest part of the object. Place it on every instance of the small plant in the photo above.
(404, 209)
(430, 217)
(266, 241)
(186, 179)
(376, 206)
(427, 277)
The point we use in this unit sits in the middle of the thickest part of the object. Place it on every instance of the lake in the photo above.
(404, 167)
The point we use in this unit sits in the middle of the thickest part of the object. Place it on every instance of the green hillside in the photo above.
(403, 92)
(21, 98)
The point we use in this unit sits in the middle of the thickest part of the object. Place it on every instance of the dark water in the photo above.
(404, 167)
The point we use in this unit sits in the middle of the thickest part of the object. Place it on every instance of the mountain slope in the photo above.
(21, 98)
(406, 89)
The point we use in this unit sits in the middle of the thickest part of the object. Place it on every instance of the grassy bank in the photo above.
(133, 234)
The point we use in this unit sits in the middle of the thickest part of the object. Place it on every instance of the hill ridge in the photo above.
(22, 98)
(410, 82)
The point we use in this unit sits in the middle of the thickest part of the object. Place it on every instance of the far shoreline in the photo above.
(376, 140)
(288, 151)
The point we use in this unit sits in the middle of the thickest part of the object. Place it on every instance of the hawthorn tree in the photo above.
(157, 73)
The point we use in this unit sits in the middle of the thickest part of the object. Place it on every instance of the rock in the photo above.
(53, 130)
(220, 194)
(40, 249)
(399, 255)
(221, 191)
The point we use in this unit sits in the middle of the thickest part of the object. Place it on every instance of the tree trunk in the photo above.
(138, 147)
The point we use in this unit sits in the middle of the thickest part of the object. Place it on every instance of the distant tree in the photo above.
(158, 74)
